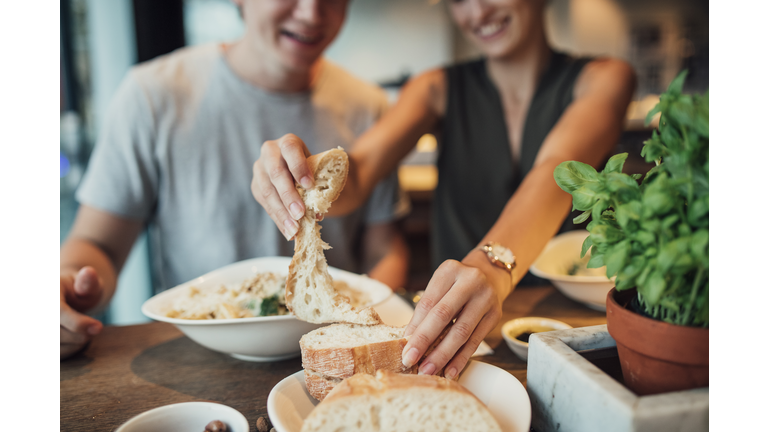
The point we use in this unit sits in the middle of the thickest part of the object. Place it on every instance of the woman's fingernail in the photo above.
(296, 211)
(427, 369)
(306, 182)
(410, 357)
(451, 374)
(290, 228)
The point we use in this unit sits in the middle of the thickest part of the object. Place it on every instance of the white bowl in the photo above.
(268, 338)
(558, 256)
(514, 328)
(186, 416)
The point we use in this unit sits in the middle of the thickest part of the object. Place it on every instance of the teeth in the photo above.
(490, 29)
(303, 38)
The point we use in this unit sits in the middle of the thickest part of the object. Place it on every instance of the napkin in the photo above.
(483, 349)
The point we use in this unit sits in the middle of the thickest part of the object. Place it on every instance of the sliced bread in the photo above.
(309, 291)
(332, 353)
(390, 402)
(342, 350)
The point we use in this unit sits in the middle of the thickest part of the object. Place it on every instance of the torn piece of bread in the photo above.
(309, 291)
(391, 402)
(330, 354)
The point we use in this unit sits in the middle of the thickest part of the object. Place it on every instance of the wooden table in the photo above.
(131, 369)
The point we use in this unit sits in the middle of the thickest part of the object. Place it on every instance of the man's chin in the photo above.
(299, 63)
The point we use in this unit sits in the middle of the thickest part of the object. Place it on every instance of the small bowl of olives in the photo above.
(188, 417)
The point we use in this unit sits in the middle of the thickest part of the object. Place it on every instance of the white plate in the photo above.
(289, 402)
(186, 416)
(267, 338)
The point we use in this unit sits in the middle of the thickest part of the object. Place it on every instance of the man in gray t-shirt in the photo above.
(176, 154)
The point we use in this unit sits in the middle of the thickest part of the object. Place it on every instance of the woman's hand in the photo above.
(80, 291)
(470, 291)
(281, 165)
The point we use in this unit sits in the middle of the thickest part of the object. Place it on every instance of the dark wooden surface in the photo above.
(131, 369)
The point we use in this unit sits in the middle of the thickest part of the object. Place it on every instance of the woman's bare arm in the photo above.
(374, 155)
(472, 291)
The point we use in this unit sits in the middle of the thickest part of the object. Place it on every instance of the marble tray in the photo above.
(569, 393)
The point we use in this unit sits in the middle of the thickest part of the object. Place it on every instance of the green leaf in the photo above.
(655, 286)
(636, 176)
(698, 209)
(596, 261)
(699, 243)
(571, 175)
(584, 198)
(627, 212)
(668, 221)
(648, 117)
(582, 217)
(606, 234)
(600, 206)
(645, 238)
(676, 86)
(657, 202)
(585, 246)
(615, 259)
(616, 163)
(671, 252)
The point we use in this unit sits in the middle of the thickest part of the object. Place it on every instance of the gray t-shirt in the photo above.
(177, 149)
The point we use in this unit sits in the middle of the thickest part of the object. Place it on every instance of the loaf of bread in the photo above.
(333, 353)
(309, 291)
(391, 402)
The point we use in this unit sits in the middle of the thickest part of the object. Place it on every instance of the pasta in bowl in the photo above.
(240, 309)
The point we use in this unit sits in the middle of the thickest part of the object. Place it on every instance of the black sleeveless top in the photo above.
(476, 174)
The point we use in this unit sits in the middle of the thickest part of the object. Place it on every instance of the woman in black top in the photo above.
(507, 121)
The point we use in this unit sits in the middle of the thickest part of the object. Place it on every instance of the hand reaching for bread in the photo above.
(470, 292)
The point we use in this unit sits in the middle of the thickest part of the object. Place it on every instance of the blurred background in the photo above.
(383, 41)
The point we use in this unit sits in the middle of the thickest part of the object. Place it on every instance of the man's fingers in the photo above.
(461, 358)
(442, 280)
(67, 337)
(295, 154)
(75, 322)
(273, 162)
(266, 194)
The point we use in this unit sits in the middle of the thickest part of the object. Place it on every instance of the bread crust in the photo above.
(345, 362)
(318, 385)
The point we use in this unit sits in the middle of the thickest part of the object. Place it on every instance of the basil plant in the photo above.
(653, 234)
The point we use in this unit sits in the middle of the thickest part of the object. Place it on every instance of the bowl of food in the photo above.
(561, 263)
(517, 331)
(240, 309)
(188, 416)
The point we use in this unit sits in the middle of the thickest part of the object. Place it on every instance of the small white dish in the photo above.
(512, 329)
(554, 262)
(289, 402)
(184, 417)
(268, 338)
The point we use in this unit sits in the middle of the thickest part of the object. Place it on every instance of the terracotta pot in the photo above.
(656, 357)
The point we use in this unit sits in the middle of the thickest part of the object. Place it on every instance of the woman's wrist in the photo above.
(499, 278)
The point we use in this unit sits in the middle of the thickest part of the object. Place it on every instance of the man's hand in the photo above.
(471, 292)
(282, 164)
(80, 292)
